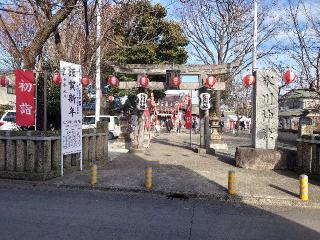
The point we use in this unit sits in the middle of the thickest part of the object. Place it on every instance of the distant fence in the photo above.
(36, 155)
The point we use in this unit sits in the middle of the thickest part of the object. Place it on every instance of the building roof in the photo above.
(301, 93)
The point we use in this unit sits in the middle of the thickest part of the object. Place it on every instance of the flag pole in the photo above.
(191, 118)
(98, 74)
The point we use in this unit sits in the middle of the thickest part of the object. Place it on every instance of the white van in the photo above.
(114, 124)
(8, 121)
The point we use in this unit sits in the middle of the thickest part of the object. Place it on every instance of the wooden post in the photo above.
(45, 105)
(140, 129)
(206, 129)
(40, 102)
(202, 115)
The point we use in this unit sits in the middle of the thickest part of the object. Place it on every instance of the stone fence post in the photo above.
(36, 155)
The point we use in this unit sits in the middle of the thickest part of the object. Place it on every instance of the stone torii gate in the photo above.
(202, 71)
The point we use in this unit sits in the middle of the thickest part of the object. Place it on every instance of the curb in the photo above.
(250, 200)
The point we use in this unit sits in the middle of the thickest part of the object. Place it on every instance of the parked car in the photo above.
(114, 124)
(8, 121)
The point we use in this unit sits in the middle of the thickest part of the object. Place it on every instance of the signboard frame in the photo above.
(71, 110)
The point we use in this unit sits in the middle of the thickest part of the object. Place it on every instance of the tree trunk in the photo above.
(317, 72)
(218, 104)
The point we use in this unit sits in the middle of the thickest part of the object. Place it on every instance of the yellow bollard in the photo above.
(304, 193)
(232, 182)
(93, 180)
(148, 181)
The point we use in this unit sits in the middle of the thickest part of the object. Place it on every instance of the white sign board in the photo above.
(71, 110)
(204, 101)
(142, 101)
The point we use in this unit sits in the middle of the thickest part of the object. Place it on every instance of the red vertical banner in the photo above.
(188, 113)
(25, 93)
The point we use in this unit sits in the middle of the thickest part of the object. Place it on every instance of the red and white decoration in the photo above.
(113, 81)
(25, 94)
(85, 81)
(175, 82)
(144, 81)
(188, 115)
(249, 80)
(3, 81)
(110, 98)
(152, 101)
(210, 82)
(289, 76)
(147, 118)
(56, 78)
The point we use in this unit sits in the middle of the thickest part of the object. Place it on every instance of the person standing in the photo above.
(179, 124)
(167, 124)
(170, 125)
(194, 125)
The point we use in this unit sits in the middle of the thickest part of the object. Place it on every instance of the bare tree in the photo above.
(220, 31)
(52, 14)
(303, 42)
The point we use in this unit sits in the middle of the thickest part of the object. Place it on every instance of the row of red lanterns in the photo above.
(288, 77)
(144, 82)
(112, 80)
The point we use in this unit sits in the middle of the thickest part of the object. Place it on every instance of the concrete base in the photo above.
(260, 159)
(219, 146)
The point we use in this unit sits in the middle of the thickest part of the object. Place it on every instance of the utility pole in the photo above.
(255, 34)
(98, 74)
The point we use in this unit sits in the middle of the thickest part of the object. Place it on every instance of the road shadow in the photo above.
(184, 145)
(225, 158)
(177, 181)
(284, 190)
(127, 172)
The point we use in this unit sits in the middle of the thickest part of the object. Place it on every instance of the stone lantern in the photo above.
(215, 126)
(215, 138)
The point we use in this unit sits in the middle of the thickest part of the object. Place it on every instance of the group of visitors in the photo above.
(169, 125)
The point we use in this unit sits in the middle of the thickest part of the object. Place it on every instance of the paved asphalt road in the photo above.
(48, 213)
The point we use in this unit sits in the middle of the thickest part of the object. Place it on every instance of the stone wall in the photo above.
(308, 150)
(36, 155)
(288, 136)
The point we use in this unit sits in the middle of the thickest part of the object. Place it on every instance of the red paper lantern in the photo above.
(113, 81)
(289, 76)
(175, 82)
(4, 81)
(210, 82)
(249, 80)
(56, 78)
(85, 81)
(110, 98)
(144, 81)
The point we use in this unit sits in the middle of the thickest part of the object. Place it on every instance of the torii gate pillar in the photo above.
(205, 140)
